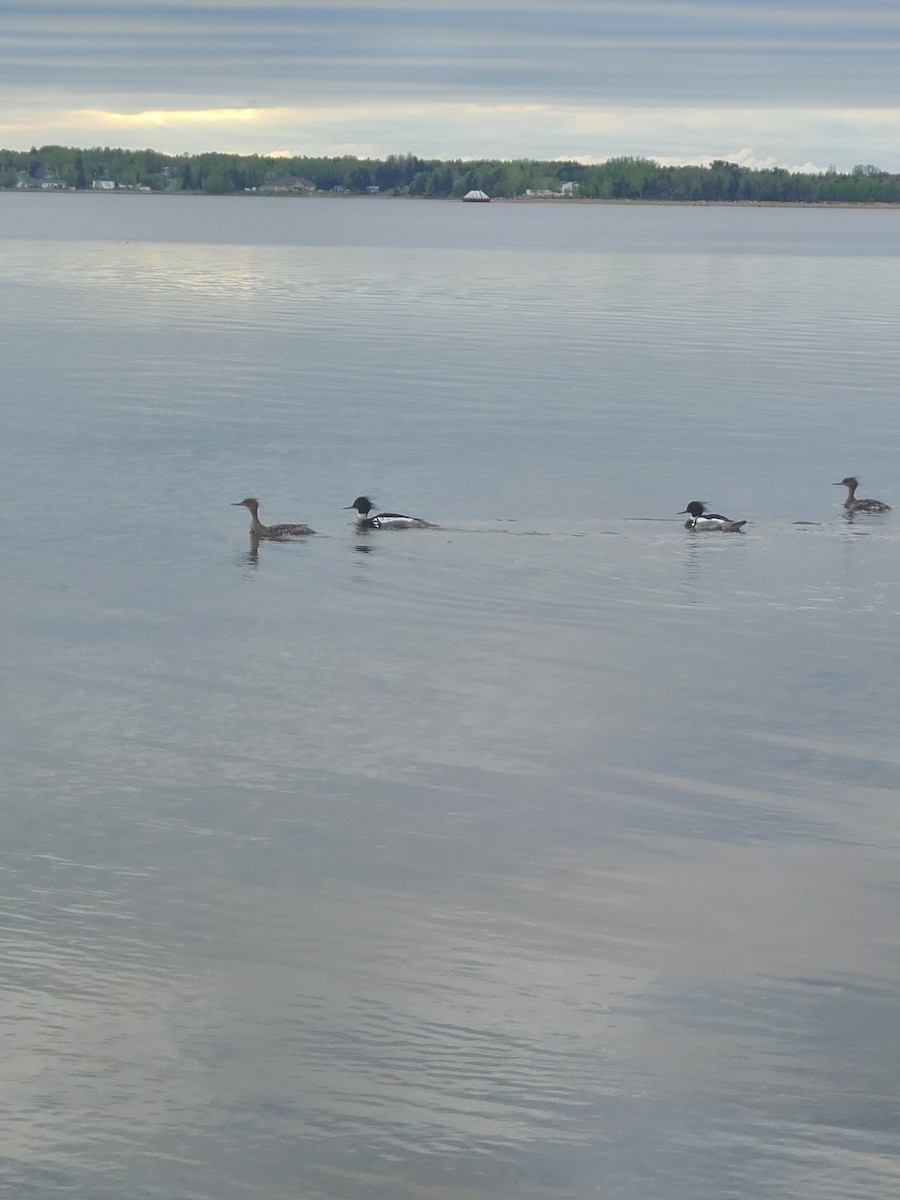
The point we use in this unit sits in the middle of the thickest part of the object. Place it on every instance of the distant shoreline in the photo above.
(625, 179)
(696, 203)
(561, 201)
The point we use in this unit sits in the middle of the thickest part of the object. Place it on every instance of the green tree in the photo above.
(217, 183)
(358, 179)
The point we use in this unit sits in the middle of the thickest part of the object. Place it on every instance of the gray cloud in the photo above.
(65, 57)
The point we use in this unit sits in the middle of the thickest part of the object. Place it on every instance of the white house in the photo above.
(287, 183)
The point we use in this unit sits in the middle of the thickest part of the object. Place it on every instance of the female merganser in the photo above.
(852, 505)
(257, 529)
(699, 518)
(385, 520)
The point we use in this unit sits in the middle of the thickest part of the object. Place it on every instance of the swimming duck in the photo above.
(385, 520)
(852, 505)
(699, 518)
(257, 529)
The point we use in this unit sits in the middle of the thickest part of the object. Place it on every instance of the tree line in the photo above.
(623, 178)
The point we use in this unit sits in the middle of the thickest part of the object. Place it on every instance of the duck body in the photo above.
(702, 520)
(386, 520)
(258, 530)
(862, 505)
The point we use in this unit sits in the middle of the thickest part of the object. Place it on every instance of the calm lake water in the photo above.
(550, 853)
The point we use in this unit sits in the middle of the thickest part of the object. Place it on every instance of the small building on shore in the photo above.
(476, 197)
(288, 183)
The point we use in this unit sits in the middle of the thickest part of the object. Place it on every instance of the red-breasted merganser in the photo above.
(699, 518)
(385, 520)
(257, 529)
(852, 505)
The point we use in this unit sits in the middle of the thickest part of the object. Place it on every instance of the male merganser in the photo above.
(852, 505)
(699, 518)
(385, 520)
(257, 529)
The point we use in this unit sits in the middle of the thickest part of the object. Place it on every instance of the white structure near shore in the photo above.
(476, 197)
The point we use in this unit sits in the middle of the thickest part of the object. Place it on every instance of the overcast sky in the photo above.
(797, 83)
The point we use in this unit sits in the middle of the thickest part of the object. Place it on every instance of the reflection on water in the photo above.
(251, 557)
(549, 853)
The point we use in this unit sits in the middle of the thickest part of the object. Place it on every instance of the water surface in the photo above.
(549, 853)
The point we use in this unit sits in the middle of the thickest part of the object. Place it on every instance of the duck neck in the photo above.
(256, 526)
